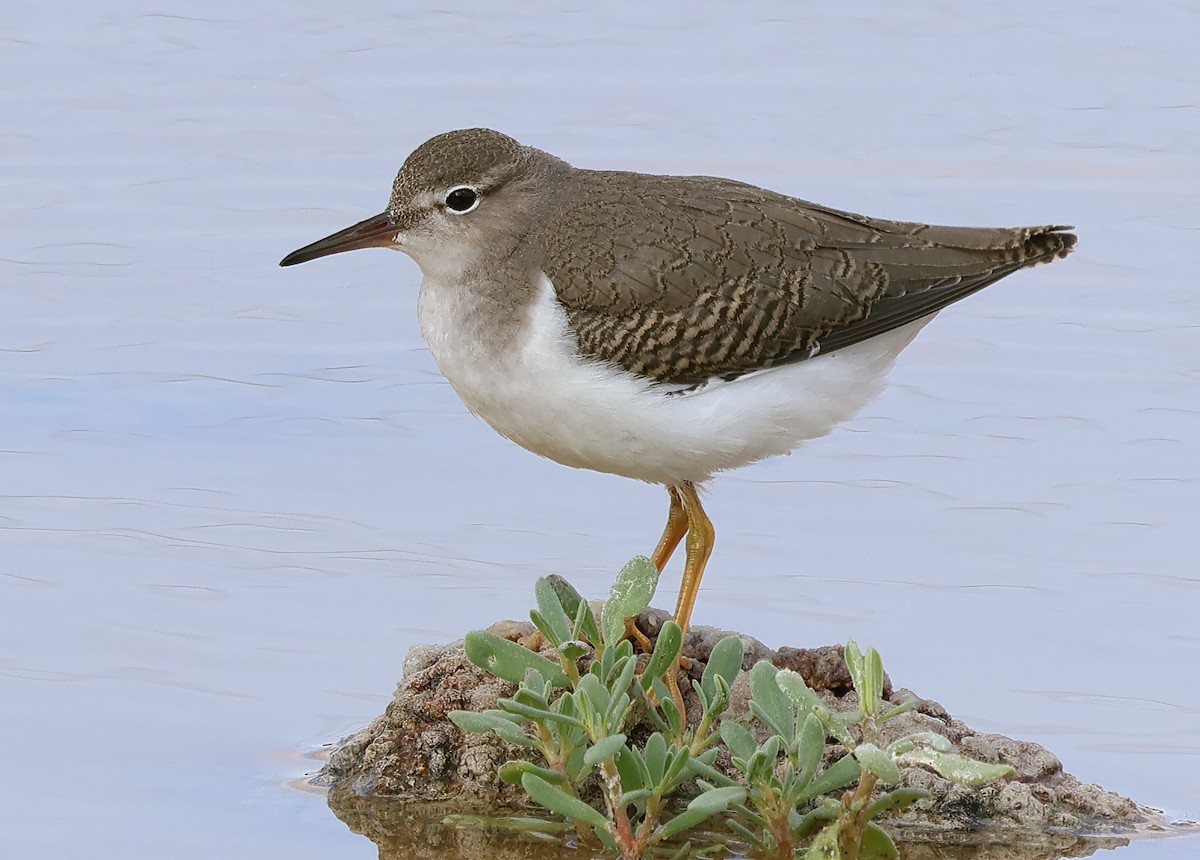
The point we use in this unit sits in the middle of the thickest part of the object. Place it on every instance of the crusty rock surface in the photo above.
(413, 755)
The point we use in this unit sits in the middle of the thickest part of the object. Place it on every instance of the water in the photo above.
(232, 496)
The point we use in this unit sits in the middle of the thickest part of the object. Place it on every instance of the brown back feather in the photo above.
(704, 277)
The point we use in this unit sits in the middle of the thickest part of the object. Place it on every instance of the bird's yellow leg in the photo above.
(673, 533)
(700, 539)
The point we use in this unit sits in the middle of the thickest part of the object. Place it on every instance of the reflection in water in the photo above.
(410, 832)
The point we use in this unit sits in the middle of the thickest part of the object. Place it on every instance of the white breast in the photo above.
(531, 386)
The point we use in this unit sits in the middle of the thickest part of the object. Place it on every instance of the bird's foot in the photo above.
(672, 679)
(533, 641)
(640, 639)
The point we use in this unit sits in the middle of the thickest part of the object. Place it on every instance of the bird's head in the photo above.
(461, 199)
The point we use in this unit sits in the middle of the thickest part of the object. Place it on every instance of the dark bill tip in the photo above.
(375, 232)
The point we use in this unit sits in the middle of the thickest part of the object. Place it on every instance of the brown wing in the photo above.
(704, 277)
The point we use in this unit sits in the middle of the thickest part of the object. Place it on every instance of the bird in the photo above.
(663, 328)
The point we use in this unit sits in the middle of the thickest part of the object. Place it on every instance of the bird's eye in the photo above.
(462, 199)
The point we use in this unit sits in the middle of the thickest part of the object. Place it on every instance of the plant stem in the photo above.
(630, 846)
(776, 815)
(571, 670)
(654, 806)
(854, 824)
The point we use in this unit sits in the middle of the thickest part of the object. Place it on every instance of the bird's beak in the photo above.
(375, 232)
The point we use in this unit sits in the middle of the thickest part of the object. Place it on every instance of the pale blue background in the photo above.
(232, 496)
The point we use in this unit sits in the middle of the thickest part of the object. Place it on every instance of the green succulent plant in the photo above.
(577, 714)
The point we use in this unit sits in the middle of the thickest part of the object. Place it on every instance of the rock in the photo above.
(823, 669)
(413, 757)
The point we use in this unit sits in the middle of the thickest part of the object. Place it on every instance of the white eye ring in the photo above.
(461, 199)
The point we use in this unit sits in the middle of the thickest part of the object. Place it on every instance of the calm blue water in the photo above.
(232, 496)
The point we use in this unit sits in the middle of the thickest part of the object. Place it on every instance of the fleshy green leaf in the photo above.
(590, 693)
(872, 692)
(535, 685)
(810, 747)
(602, 665)
(738, 738)
(877, 761)
(614, 714)
(512, 771)
(684, 852)
(610, 844)
(897, 799)
(838, 723)
(854, 663)
(815, 818)
(568, 598)
(629, 595)
(677, 768)
(762, 763)
(773, 708)
(493, 721)
(573, 649)
(747, 814)
(825, 846)
(623, 666)
(877, 845)
(636, 797)
(584, 625)
(700, 809)
(838, 775)
(718, 799)
(651, 712)
(755, 839)
(506, 822)
(532, 694)
(793, 686)
(604, 749)
(704, 769)
(654, 753)
(565, 705)
(618, 707)
(574, 767)
(544, 627)
(634, 776)
(725, 662)
(508, 660)
(666, 649)
(634, 759)
(557, 800)
(550, 607)
(898, 710)
(536, 713)
(920, 739)
(583, 622)
(720, 698)
(866, 673)
(667, 705)
(957, 768)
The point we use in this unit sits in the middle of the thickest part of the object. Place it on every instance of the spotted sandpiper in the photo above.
(664, 328)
